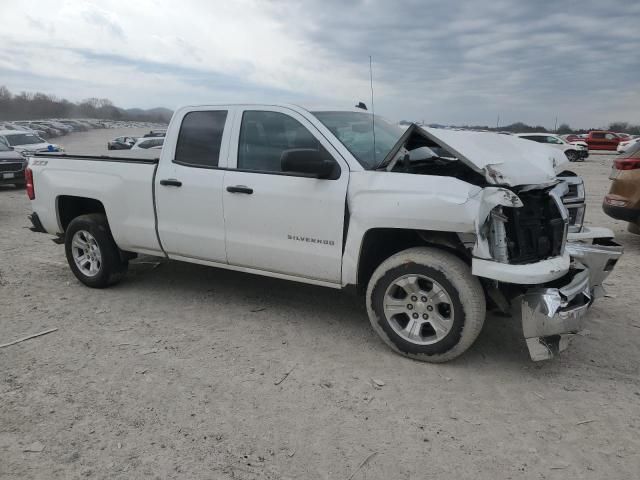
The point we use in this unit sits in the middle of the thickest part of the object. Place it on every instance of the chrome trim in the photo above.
(579, 182)
(598, 259)
(557, 193)
(551, 316)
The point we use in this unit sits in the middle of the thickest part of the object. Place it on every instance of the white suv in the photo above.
(575, 152)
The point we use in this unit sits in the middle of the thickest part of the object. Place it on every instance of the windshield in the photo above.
(3, 146)
(354, 130)
(23, 139)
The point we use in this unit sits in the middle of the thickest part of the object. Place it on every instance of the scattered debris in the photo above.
(377, 383)
(119, 445)
(362, 464)
(35, 447)
(102, 310)
(142, 372)
(585, 333)
(29, 337)
(539, 395)
(291, 453)
(278, 382)
(255, 310)
(635, 325)
(585, 421)
(148, 352)
(561, 466)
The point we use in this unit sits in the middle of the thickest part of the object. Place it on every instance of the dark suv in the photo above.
(12, 165)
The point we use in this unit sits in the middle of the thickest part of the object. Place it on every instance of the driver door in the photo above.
(279, 221)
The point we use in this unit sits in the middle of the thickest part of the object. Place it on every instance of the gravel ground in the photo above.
(178, 373)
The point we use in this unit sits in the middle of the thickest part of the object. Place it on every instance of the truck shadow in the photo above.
(500, 340)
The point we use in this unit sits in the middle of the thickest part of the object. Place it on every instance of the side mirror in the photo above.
(307, 161)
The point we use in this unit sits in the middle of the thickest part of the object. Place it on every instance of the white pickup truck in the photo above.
(434, 227)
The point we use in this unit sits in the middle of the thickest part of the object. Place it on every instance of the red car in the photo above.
(574, 138)
(602, 140)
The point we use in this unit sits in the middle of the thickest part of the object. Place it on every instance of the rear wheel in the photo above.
(92, 254)
(425, 304)
(572, 155)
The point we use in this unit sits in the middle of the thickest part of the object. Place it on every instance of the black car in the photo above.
(121, 143)
(12, 165)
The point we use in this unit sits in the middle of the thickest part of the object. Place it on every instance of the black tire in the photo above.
(572, 155)
(468, 304)
(112, 267)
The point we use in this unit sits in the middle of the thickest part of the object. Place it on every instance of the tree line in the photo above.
(32, 106)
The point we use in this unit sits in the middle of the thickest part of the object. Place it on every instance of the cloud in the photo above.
(461, 62)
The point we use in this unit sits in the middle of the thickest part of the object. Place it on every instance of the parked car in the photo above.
(148, 143)
(623, 200)
(627, 144)
(77, 126)
(121, 143)
(32, 128)
(12, 166)
(574, 137)
(22, 141)
(574, 151)
(428, 224)
(156, 133)
(602, 140)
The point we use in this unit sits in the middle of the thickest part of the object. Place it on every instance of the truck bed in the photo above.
(122, 184)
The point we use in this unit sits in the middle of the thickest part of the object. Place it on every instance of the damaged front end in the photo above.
(553, 314)
(543, 265)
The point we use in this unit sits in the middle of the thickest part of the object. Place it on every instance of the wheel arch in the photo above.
(69, 207)
(378, 244)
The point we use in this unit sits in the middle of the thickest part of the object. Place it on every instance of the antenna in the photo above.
(373, 111)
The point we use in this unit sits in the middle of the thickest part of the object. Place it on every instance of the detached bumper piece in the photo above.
(551, 315)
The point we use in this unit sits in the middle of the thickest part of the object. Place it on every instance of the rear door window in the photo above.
(200, 138)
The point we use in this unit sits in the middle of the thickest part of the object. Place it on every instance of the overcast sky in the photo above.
(454, 62)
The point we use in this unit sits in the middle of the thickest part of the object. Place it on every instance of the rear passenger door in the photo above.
(189, 184)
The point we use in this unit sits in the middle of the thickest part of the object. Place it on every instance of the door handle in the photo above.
(240, 189)
(171, 182)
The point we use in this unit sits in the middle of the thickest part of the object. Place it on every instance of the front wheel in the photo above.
(425, 304)
(92, 254)
(572, 155)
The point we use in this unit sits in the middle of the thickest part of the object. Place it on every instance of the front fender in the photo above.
(405, 201)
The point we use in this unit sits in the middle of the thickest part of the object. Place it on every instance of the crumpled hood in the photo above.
(502, 159)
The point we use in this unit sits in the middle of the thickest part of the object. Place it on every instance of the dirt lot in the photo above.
(177, 373)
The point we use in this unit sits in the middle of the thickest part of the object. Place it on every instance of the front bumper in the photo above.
(552, 314)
